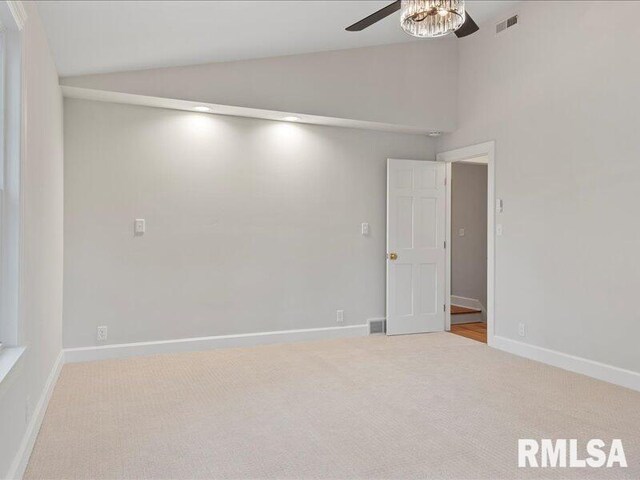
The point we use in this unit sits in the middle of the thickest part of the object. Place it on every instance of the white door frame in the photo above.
(468, 155)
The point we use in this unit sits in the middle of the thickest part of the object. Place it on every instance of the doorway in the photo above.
(468, 184)
(418, 297)
(476, 155)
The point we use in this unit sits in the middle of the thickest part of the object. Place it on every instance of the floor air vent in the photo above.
(377, 326)
(508, 23)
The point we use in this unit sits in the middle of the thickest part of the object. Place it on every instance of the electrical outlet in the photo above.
(139, 227)
(521, 329)
(102, 333)
(340, 316)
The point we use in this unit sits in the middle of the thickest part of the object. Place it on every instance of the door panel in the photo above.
(404, 288)
(427, 223)
(404, 226)
(428, 284)
(416, 234)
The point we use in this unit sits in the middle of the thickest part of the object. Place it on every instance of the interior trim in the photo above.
(591, 368)
(124, 350)
(218, 109)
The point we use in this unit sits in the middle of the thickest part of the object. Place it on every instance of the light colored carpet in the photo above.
(420, 406)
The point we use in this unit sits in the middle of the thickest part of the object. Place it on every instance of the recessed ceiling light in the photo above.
(202, 108)
(434, 134)
(291, 119)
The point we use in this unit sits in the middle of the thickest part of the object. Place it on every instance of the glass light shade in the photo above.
(431, 18)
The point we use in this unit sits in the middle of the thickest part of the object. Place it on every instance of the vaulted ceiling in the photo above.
(107, 36)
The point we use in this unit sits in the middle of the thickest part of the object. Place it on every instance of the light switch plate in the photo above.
(461, 232)
(365, 229)
(499, 230)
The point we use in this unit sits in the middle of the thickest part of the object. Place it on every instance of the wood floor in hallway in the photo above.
(475, 331)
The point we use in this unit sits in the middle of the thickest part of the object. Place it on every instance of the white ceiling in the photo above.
(107, 36)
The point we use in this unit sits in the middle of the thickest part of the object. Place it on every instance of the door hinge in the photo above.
(445, 307)
(445, 244)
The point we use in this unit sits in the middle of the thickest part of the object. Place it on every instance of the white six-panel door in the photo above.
(415, 246)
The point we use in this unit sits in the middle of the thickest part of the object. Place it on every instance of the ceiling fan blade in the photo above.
(467, 28)
(376, 17)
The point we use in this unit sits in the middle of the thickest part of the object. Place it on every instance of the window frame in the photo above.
(12, 20)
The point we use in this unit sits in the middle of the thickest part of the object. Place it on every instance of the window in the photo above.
(12, 17)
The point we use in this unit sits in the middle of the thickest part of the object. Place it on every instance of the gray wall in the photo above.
(252, 225)
(559, 94)
(384, 84)
(40, 319)
(469, 211)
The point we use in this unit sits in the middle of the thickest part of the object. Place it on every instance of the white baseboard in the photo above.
(591, 368)
(21, 460)
(123, 350)
(469, 303)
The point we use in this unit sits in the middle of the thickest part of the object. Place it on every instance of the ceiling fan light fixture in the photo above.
(431, 18)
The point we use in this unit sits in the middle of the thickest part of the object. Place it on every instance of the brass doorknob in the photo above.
(393, 256)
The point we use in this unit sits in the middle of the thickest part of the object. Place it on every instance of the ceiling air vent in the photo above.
(508, 23)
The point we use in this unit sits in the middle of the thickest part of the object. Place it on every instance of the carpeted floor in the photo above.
(418, 406)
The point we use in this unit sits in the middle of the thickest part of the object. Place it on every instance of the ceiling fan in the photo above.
(425, 18)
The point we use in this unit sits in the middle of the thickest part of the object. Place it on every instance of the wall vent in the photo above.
(378, 325)
(508, 23)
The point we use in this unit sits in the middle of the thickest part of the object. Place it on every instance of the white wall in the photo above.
(559, 94)
(390, 84)
(40, 323)
(252, 225)
(469, 211)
